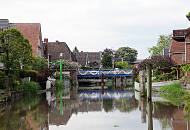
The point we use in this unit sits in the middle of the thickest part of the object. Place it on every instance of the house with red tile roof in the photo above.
(31, 31)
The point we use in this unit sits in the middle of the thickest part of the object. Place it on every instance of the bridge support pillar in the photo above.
(102, 83)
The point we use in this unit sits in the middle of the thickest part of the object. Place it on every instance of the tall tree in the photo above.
(17, 51)
(127, 54)
(163, 42)
(188, 16)
(107, 58)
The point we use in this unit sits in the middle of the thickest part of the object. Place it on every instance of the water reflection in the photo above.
(91, 110)
(150, 120)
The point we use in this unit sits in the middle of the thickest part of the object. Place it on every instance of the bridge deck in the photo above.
(105, 73)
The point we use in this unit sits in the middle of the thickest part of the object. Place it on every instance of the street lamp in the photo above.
(61, 66)
(61, 79)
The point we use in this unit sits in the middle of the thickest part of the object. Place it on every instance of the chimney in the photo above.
(45, 40)
(45, 47)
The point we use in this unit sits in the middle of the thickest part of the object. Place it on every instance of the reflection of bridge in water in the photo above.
(89, 101)
(105, 73)
(97, 95)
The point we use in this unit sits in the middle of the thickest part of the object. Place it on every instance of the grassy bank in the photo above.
(177, 96)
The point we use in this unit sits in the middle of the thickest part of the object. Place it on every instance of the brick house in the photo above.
(92, 59)
(53, 50)
(30, 31)
(180, 46)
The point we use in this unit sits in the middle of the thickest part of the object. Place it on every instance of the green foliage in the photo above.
(157, 62)
(86, 68)
(186, 100)
(161, 76)
(59, 87)
(128, 54)
(185, 68)
(107, 58)
(122, 65)
(59, 84)
(173, 93)
(66, 64)
(29, 73)
(39, 63)
(2, 75)
(188, 15)
(17, 50)
(30, 86)
(163, 42)
(108, 105)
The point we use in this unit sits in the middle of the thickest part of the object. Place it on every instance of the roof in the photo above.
(55, 48)
(84, 58)
(180, 34)
(32, 32)
(4, 23)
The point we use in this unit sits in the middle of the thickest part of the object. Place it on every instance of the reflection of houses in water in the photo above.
(178, 122)
(69, 106)
(168, 115)
(25, 115)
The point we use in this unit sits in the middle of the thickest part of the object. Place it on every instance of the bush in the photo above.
(122, 65)
(185, 68)
(2, 75)
(59, 87)
(42, 77)
(30, 86)
(39, 63)
(86, 68)
(29, 73)
(164, 77)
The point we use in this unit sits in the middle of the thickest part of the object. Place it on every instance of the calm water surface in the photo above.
(91, 110)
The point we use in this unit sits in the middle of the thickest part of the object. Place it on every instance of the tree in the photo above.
(39, 63)
(107, 58)
(122, 65)
(188, 16)
(17, 51)
(163, 42)
(75, 50)
(127, 54)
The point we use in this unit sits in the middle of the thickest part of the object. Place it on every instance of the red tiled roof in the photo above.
(32, 32)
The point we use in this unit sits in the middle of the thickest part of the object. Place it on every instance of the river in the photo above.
(91, 110)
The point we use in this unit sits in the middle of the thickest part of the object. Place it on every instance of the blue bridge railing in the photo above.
(105, 73)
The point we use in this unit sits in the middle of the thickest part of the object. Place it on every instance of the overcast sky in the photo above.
(93, 25)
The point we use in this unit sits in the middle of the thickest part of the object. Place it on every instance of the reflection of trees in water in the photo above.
(126, 105)
(22, 114)
(164, 113)
(108, 105)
